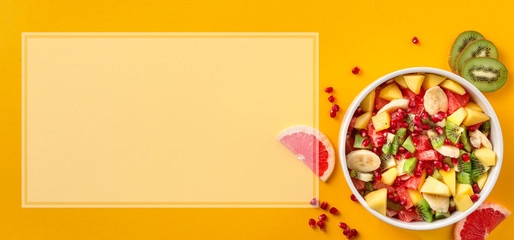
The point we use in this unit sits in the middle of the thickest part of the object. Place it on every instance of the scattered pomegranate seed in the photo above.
(430, 171)
(329, 89)
(396, 199)
(425, 126)
(415, 140)
(437, 164)
(376, 151)
(446, 167)
(443, 114)
(353, 233)
(324, 205)
(366, 142)
(346, 231)
(342, 225)
(476, 189)
(354, 198)
(356, 70)
(401, 149)
(417, 172)
(465, 157)
(415, 40)
(363, 133)
(335, 107)
(321, 224)
(390, 196)
(447, 141)
(472, 128)
(322, 217)
(333, 113)
(412, 103)
(407, 155)
(378, 176)
(439, 130)
(460, 145)
(455, 161)
(358, 111)
(334, 211)
(419, 98)
(331, 98)
(403, 201)
(404, 125)
(474, 197)
(312, 223)
(314, 202)
(424, 115)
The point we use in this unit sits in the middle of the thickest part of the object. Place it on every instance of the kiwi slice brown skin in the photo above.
(459, 44)
(493, 74)
(478, 48)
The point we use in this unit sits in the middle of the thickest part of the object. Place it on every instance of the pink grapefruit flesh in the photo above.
(480, 223)
(310, 146)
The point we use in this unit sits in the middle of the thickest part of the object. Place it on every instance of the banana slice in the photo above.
(395, 104)
(478, 139)
(437, 203)
(362, 161)
(435, 100)
(449, 151)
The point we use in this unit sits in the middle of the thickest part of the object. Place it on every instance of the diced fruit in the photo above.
(453, 86)
(463, 166)
(389, 143)
(387, 161)
(422, 181)
(359, 185)
(463, 202)
(390, 92)
(437, 175)
(478, 139)
(415, 196)
(465, 189)
(485, 128)
(456, 101)
(473, 117)
(398, 140)
(437, 140)
(377, 200)
(394, 206)
(482, 180)
(409, 215)
(394, 105)
(368, 104)
(380, 185)
(464, 178)
(458, 116)
(437, 203)
(362, 121)
(449, 180)
(389, 176)
(423, 143)
(381, 121)
(477, 168)
(432, 80)
(423, 210)
(362, 161)
(433, 186)
(369, 186)
(464, 139)
(404, 195)
(435, 101)
(366, 177)
(474, 106)
(413, 182)
(399, 166)
(486, 156)
(409, 165)
(414, 82)
(428, 155)
(453, 132)
(400, 81)
(442, 215)
(359, 140)
(407, 144)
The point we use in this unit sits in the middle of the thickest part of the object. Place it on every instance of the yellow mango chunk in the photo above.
(400, 81)
(458, 116)
(434, 186)
(381, 121)
(377, 200)
(391, 92)
(432, 80)
(362, 121)
(473, 117)
(449, 179)
(453, 86)
(368, 104)
(486, 156)
(463, 202)
(414, 82)
(482, 180)
(464, 189)
(389, 176)
(474, 106)
(414, 195)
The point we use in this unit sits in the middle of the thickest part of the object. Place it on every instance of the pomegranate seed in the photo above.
(419, 98)
(401, 149)
(415, 40)
(403, 201)
(441, 157)
(472, 128)
(404, 124)
(397, 156)
(331, 98)
(314, 202)
(425, 126)
(412, 103)
(443, 114)
(376, 151)
(378, 176)
(474, 197)
(333, 113)
(417, 172)
(400, 111)
(353, 233)
(396, 199)
(465, 157)
(335, 107)
(476, 189)
(346, 231)
(414, 134)
(366, 142)
(446, 167)
(437, 164)
(354, 198)
(439, 130)
(424, 115)
(363, 133)
(418, 129)
(397, 182)
(385, 134)
(334, 211)
(437, 118)
(417, 119)
(329, 89)
(342, 225)
(393, 131)
(407, 155)
(322, 217)
(393, 124)
(415, 140)
(356, 70)
(460, 145)
(390, 196)
(430, 171)
(321, 224)
(381, 140)
(324, 205)
(312, 223)
(358, 111)
(447, 141)
(455, 161)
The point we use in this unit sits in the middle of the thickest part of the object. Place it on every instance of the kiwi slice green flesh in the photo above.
(435, 139)
(409, 165)
(487, 74)
(398, 140)
(485, 128)
(464, 139)
(463, 166)
(460, 43)
(387, 161)
(478, 48)
(437, 175)
(423, 210)
(359, 140)
(464, 177)
(409, 145)
(477, 168)
(453, 131)
(387, 146)
(442, 215)
(366, 177)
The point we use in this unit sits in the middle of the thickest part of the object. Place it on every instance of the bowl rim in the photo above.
(493, 173)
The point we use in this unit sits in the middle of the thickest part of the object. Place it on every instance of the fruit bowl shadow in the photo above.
(496, 140)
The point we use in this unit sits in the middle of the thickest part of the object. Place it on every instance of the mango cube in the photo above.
(486, 156)
(389, 176)
(414, 82)
(482, 180)
(381, 121)
(377, 200)
(362, 121)
(401, 81)
(458, 116)
(474, 106)
(453, 86)
(414, 195)
(434, 186)
(473, 117)
(391, 92)
(368, 104)
(463, 202)
(449, 179)
(432, 80)
(465, 189)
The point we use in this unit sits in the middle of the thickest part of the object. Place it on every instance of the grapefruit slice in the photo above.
(480, 223)
(310, 146)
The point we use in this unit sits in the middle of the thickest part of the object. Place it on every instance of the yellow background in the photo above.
(374, 35)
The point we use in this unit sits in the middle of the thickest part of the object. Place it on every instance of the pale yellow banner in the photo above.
(166, 120)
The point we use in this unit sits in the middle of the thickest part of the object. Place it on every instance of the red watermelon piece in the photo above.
(456, 101)
(380, 185)
(360, 185)
(423, 144)
(412, 182)
(402, 192)
(408, 215)
(429, 155)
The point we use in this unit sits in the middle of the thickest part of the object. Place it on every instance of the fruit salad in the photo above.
(418, 148)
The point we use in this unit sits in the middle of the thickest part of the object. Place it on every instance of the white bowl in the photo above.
(495, 137)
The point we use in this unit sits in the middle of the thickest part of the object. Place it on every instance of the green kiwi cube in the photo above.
(409, 145)
(437, 175)
(409, 165)
(463, 177)
(442, 215)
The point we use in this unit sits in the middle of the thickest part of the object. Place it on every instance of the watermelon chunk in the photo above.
(408, 215)
(408, 94)
(391, 213)
(402, 192)
(423, 144)
(428, 155)
(374, 135)
(380, 185)
(412, 182)
(456, 101)
(360, 185)
(418, 110)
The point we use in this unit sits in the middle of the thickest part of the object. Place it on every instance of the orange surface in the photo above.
(374, 35)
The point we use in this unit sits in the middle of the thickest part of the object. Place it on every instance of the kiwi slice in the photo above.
(409, 145)
(477, 168)
(410, 120)
(487, 74)
(387, 161)
(463, 166)
(424, 211)
(453, 132)
(400, 137)
(460, 43)
(464, 177)
(435, 139)
(485, 128)
(437, 175)
(359, 140)
(442, 215)
(409, 165)
(464, 139)
(478, 48)
(369, 186)
(366, 177)
(387, 146)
